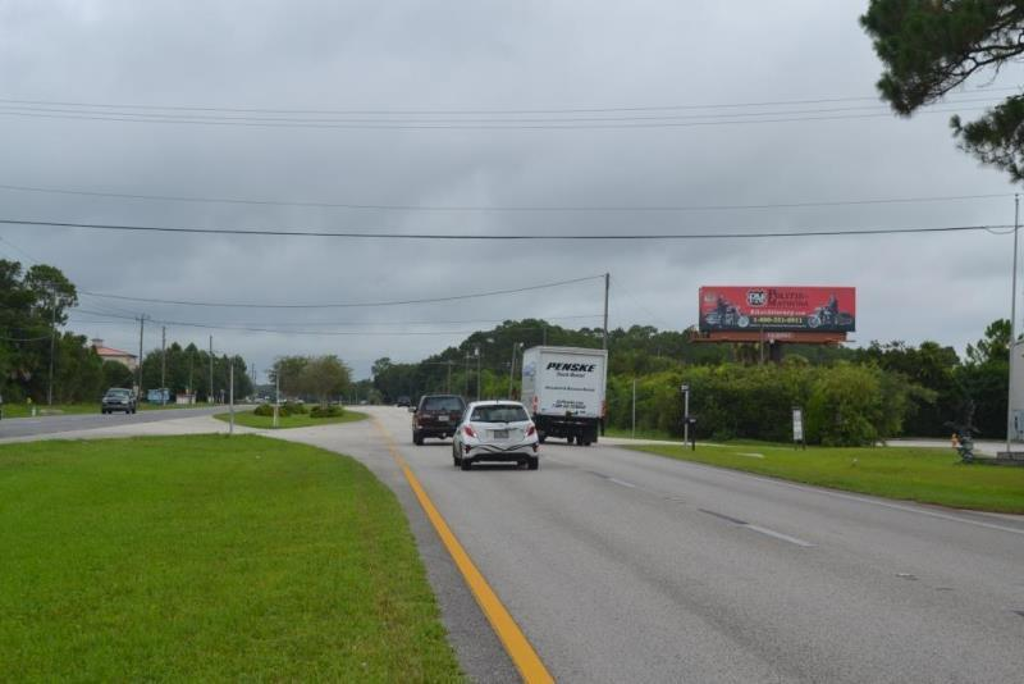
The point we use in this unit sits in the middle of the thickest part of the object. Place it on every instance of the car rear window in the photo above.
(443, 404)
(499, 414)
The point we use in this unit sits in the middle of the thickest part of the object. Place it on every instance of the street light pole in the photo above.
(53, 340)
(1013, 325)
(607, 285)
(163, 365)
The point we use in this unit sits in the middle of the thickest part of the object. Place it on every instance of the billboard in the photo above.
(773, 308)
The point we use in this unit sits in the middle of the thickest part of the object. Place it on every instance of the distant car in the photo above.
(437, 416)
(403, 401)
(496, 431)
(119, 399)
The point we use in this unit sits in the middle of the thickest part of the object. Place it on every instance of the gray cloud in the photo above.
(488, 55)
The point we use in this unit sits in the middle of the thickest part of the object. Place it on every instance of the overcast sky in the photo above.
(404, 55)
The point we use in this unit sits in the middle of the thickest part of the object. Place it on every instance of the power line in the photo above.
(349, 305)
(480, 208)
(524, 124)
(25, 339)
(316, 333)
(561, 119)
(725, 235)
(285, 327)
(400, 111)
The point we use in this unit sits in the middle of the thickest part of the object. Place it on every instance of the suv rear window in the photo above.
(499, 414)
(443, 404)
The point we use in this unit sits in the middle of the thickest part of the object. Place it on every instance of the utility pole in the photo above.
(53, 340)
(277, 389)
(210, 399)
(163, 365)
(231, 399)
(632, 432)
(191, 362)
(465, 378)
(142, 331)
(512, 367)
(477, 351)
(607, 285)
(448, 383)
(1013, 326)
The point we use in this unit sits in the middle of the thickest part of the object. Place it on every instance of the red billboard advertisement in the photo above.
(775, 308)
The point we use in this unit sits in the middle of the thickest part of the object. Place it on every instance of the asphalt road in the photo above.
(46, 425)
(622, 566)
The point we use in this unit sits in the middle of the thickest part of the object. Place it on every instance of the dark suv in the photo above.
(119, 399)
(437, 415)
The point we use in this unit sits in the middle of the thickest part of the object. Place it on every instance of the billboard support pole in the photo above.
(1013, 323)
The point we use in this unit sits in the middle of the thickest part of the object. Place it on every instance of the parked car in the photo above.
(437, 416)
(119, 399)
(403, 401)
(496, 431)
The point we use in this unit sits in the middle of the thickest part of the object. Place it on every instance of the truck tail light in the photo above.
(468, 430)
(531, 431)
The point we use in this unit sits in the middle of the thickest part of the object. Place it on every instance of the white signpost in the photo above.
(798, 425)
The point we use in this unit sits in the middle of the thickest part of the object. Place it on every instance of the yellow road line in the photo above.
(516, 644)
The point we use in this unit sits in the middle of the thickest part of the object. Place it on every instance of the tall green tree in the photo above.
(931, 47)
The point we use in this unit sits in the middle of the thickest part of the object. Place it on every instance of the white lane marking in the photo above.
(622, 482)
(750, 454)
(852, 497)
(779, 535)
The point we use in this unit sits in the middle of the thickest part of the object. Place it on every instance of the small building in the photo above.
(110, 354)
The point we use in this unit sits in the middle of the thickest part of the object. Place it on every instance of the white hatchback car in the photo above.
(496, 431)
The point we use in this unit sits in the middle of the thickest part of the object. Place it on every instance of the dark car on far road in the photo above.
(403, 401)
(118, 399)
(437, 415)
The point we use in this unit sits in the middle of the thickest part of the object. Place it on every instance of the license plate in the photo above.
(500, 434)
(442, 419)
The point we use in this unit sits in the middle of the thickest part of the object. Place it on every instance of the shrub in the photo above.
(267, 410)
(295, 408)
(326, 412)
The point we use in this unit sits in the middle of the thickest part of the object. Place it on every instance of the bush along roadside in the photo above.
(844, 404)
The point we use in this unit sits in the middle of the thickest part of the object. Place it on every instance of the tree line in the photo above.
(850, 396)
(34, 308)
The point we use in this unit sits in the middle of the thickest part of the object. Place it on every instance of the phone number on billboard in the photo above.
(779, 320)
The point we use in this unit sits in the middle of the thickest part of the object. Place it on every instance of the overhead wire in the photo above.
(504, 208)
(479, 111)
(723, 235)
(623, 124)
(350, 305)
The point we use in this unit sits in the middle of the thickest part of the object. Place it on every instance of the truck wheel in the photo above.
(533, 463)
(465, 463)
(541, 437)
(417, 439)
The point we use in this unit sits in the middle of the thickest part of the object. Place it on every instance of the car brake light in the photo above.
(469, 431)
(530, 431)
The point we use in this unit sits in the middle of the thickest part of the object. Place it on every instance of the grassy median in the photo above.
(295, 420)
(916, 474)
(208, 559)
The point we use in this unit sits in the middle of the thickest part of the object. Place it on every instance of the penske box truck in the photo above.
(564, 390)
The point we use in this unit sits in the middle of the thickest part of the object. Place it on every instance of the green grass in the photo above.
(250, 419)
(208, 559)
(663, 435)
(25, 410)
(917, 474)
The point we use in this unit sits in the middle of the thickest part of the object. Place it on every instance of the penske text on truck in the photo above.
(564, 389)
